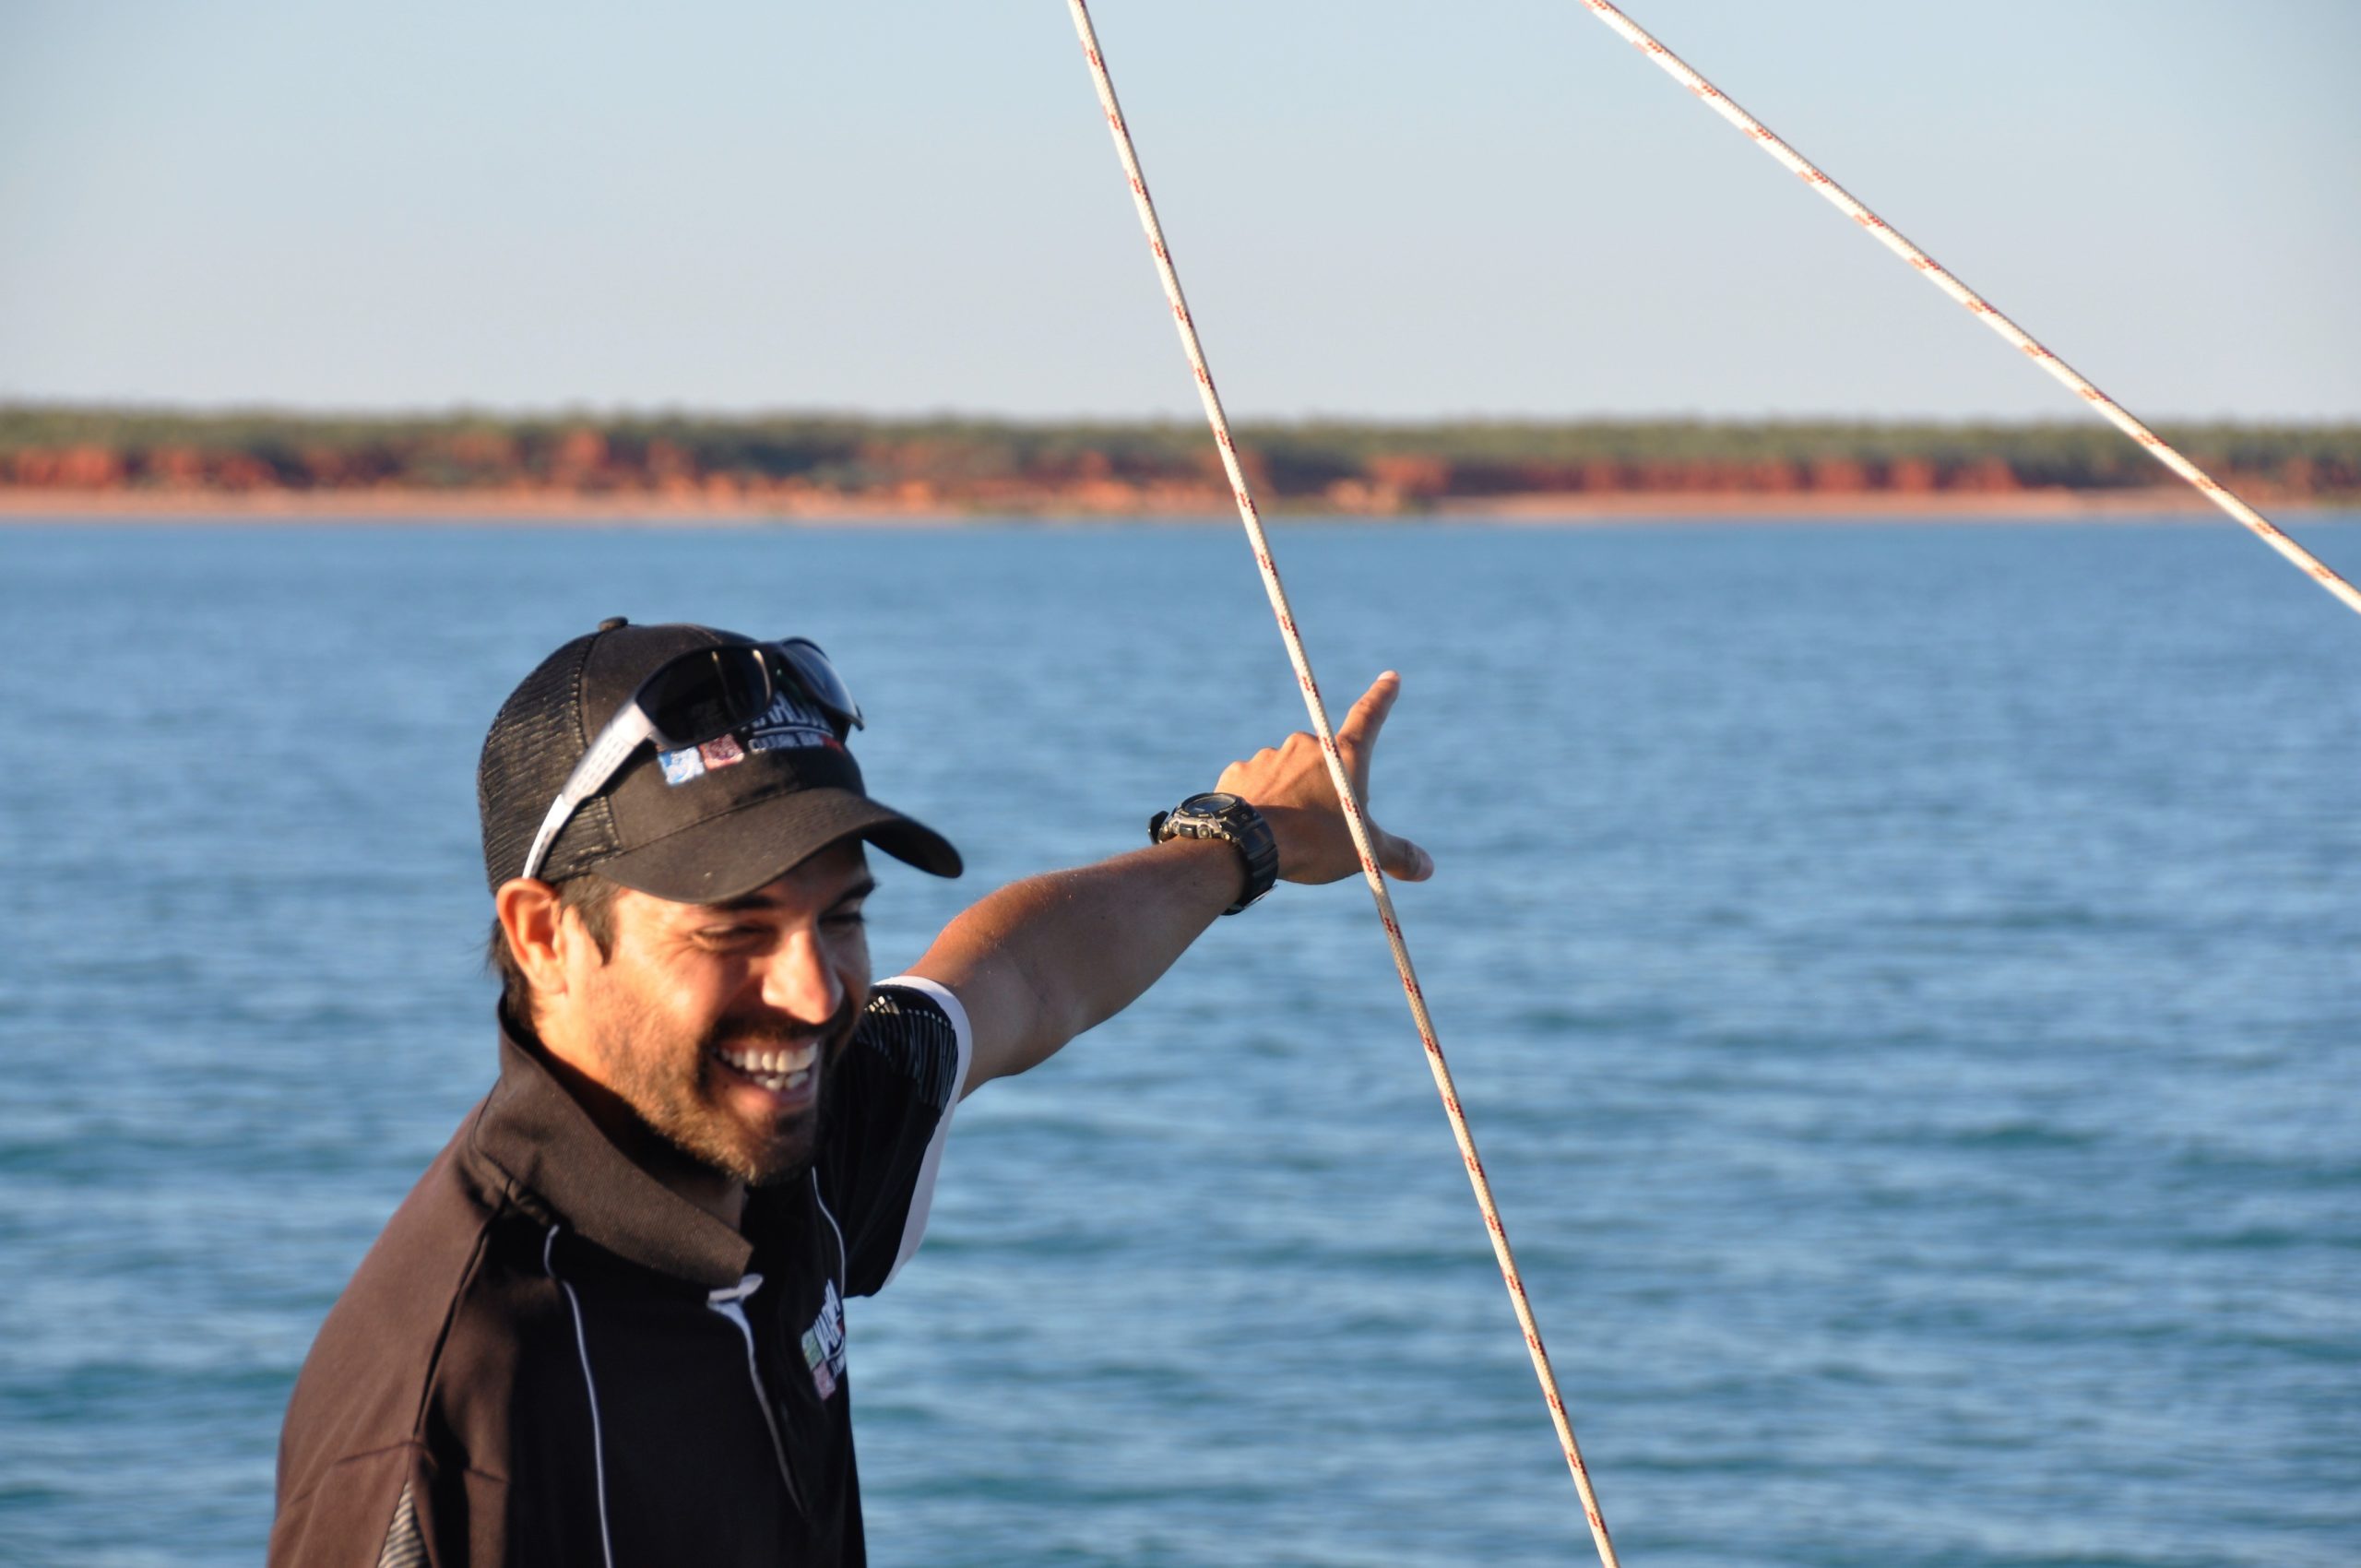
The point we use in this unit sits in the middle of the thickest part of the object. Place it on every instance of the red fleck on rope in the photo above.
(1354, 820)
(2116, 414)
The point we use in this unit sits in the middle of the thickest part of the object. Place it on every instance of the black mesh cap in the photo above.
(697, 826)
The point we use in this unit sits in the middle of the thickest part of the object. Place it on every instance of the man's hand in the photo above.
(1043, 959)
(1291, 788)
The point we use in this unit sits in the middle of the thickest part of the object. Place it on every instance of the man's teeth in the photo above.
(774, 1069)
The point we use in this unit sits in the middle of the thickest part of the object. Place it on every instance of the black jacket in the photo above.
(549, 1357)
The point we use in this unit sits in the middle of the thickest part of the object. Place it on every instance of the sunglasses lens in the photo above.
(821, 679)
(707, 694)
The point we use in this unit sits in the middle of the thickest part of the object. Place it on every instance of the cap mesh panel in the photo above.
(534, 743)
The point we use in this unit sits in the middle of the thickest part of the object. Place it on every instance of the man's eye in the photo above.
(845, 919)
(724, 936)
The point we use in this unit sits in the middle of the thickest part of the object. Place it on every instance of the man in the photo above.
(607, 1327)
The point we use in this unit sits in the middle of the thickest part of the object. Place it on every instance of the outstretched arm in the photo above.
(1041, 960)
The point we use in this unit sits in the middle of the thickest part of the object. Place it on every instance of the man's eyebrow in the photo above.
(750, 902)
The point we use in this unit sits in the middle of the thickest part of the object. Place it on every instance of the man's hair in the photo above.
(590, 896)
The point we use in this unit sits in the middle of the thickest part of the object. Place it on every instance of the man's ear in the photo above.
(532, 919)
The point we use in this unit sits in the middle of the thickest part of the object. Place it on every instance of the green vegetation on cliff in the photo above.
(988, 462)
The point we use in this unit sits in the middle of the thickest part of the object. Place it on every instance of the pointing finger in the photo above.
(1358, 733)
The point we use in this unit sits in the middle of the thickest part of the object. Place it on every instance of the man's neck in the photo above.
(722, 1196)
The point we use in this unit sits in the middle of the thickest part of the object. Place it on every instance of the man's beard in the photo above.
(679, 1102)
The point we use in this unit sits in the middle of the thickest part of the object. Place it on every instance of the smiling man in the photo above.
(608, 1327)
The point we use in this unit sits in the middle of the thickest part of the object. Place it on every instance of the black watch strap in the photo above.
(1225, 817)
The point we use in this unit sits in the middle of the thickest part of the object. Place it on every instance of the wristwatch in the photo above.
(1215, 815)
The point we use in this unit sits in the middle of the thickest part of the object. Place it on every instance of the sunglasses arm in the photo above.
(615, 743)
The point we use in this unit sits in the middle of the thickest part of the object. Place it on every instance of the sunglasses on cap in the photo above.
(698, 696)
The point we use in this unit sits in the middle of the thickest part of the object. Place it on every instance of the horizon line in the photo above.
(593, 410)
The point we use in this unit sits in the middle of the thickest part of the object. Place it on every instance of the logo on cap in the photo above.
(788, 724)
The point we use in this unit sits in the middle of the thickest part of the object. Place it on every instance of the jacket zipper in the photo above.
(729, 1303)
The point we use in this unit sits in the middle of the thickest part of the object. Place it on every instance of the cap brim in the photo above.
(730, 856)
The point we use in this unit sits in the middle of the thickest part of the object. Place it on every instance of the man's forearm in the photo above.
(1041, 960)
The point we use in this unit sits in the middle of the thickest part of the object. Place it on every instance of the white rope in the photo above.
(1354, 820)
(1845, 202)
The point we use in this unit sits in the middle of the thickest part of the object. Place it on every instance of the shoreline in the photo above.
(301, 508)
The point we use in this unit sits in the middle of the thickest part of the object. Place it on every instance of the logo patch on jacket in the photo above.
(823, 1344)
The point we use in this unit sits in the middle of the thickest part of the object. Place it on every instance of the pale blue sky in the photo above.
(1380, 208)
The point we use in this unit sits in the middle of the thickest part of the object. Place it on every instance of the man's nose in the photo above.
(800, 982)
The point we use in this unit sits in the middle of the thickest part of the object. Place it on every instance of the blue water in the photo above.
(1904, 983)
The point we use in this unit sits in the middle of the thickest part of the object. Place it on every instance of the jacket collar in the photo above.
(539, 1135)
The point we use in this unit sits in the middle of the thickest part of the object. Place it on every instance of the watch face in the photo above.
(1211, 804)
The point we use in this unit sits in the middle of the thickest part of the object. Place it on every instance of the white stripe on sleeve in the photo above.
(922, 1195)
